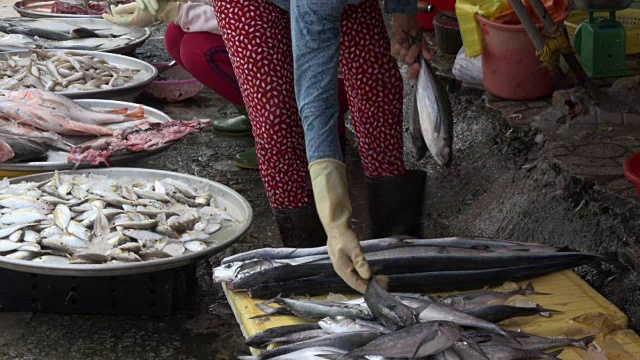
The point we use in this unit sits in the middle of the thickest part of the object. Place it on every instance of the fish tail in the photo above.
(89, 129)
(554, 355)
(137, 114)
(584, 342)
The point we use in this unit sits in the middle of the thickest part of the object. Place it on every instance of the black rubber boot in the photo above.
(395, 204)
(301, 227)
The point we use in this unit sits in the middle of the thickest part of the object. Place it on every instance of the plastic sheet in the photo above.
(468, 70)
(466, 11)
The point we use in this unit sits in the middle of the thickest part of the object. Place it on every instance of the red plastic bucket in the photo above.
(426, 19)
(510, 67)
(632, 170)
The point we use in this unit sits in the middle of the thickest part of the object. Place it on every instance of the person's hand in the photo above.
(329, 182)
(348, 259)
(407, 42)
(129, 15)
(151, 5)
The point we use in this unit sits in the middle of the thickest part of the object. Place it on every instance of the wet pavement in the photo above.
(505, 183)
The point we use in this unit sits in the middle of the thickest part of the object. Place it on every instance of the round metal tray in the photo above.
(29, 9)
(138, 35)
(151, 113)
(237, 206)
(125, 93)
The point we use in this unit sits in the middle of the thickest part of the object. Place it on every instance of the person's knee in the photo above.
(173, 40)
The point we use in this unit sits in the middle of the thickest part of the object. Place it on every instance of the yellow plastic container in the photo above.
(629, 18)
(13, 174)
(583, 312)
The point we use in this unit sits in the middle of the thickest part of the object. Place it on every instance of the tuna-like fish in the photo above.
(346, 342)
(477, 299)
(531, 342)
(436, 119)
(390, 311)
(413, 342)
(497, 352)
(261, 340)
(18, 149)
(499, 313)
(317, 309)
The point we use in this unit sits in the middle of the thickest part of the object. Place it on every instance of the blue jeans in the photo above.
(315, 33)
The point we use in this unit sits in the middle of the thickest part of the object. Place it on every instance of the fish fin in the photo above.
(566, 249)
(425, 340)
(583, 343)
(115, 111)
(545, 312)
(137, 114)
(529, 290)
(474, 345)
(554, 354)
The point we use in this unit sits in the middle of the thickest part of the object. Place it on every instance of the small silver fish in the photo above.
(62, 216)
(76, 229)
(195, 246)
(31, 236)
(17, 236)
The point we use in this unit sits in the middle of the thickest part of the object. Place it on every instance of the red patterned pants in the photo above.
(258, 36)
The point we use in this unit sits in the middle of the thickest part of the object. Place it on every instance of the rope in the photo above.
(555, 42)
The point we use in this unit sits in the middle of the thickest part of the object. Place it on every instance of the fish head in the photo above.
(441, 150)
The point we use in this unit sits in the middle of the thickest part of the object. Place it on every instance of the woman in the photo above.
(194, 40)
(286, 57)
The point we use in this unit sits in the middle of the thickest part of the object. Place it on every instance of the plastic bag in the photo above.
(468, 70)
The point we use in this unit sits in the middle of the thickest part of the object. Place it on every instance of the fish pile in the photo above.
(91, 219)
(17, 34)
(432, 265)
(141, 137)
(384, 325)
(62, 71)
(32, 122)
(430, 117)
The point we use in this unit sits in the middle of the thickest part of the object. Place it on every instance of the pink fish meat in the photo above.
(142, 137)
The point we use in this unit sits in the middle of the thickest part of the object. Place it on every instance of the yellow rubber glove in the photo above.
(169, 11)
(129, 15)
(329, 182)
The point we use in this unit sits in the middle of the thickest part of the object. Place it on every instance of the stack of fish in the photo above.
(82, 219)
(447, 264)
(406, 326)
(62, 71)
(32, 122)
(18, 34)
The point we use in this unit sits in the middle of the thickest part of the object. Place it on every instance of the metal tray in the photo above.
(38, 9)
(139, 35)
(237, 206)
(152, 114)
(126, 93)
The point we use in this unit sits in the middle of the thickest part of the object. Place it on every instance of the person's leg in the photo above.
(172, 40)
(344, 107)
(258, 36)
(375, 91)
(206, 57)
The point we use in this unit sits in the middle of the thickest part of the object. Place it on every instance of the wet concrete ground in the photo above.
(486, 193)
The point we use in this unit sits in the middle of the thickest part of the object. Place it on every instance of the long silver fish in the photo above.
(436, 118)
